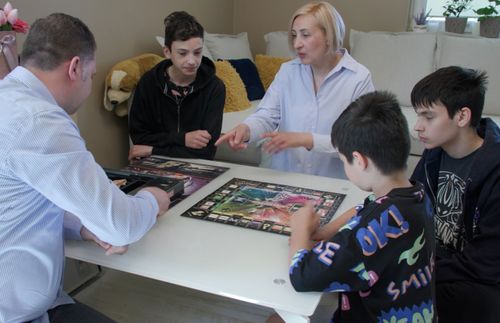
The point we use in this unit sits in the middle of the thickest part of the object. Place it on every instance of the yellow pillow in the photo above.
(268, 66)
(236, 94)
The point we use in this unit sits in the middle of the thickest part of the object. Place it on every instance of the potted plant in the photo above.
(9, 25)
(489, 20)
(420, 21)
(453, 22)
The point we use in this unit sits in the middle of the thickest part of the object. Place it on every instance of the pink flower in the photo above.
(9, 20)
(3, 18)
(12, 16)
(7, 8)
(21, 26)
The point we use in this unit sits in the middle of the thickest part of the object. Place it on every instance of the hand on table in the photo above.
(138, 151)
(197, 139)
(110, 249)
(282, 140)
(236, 137)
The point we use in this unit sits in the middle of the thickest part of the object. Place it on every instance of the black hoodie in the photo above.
(479, 261)
(157, 120)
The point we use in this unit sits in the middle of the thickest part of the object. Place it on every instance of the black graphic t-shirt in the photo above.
(453, 174)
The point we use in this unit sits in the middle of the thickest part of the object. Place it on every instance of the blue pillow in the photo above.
(250, 77)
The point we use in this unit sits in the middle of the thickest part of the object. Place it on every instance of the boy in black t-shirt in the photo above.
(382, 260)
(460, 169)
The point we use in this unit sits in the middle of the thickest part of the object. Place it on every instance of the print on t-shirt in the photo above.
(449, 208)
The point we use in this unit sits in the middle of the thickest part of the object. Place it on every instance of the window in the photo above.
(436, 20)
(436, 7)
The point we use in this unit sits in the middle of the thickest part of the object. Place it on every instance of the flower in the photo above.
(10, 21)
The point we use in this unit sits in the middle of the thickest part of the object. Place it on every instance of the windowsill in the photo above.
(437, 24)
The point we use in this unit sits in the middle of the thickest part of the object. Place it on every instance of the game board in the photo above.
(193, 175)
(262, 206)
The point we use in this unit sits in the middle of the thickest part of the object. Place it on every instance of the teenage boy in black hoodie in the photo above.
(460, 169)
(382, 260)
(178, 105)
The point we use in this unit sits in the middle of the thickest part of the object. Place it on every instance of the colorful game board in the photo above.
(262, 206)
(193, 175)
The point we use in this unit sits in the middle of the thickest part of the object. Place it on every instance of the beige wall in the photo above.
(127, 27)
(123, 29)
(258, 17)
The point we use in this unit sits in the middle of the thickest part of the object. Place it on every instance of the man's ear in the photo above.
(74, 68)
(359, 160)
(463, 117)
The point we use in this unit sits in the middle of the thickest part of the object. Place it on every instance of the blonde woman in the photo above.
(307, 96)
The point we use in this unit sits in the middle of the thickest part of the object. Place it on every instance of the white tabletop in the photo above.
(235, 262)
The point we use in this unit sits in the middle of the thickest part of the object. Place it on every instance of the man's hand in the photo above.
(138, 151)
(197, 139)
(162, 197)
(282, 140)
(110, 249)
(236, 137)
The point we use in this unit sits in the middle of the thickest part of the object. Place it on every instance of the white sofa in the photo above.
(397, 62)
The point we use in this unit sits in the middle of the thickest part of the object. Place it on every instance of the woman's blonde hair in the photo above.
(328, 19)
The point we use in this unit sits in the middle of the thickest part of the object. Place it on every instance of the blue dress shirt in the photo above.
(45, 172)
(291, 104)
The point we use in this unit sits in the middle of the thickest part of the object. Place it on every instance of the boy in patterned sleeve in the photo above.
(382, 260)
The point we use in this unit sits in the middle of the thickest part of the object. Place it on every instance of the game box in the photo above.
(131, 183)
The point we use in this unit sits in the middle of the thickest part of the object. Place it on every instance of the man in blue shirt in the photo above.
(47, 176)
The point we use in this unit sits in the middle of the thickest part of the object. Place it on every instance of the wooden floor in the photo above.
(129, 299)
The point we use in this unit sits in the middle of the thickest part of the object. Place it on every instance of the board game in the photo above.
(262, 206)
(193, 175)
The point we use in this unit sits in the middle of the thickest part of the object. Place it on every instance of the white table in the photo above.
(243, 264)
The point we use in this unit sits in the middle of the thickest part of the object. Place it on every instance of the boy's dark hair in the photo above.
(180, 25)
(55, 39)
(374, 126)
(454, 87)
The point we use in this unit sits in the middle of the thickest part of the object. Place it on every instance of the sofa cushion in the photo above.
(397, 61)
(268, 66)
(236, 94)
(223, 46)
(478, 53)
(250, 77)
(277, 44)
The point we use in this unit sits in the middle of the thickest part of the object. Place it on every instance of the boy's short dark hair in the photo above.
(180, 25)
(454, 87)
(55, 39)
(374, 126)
